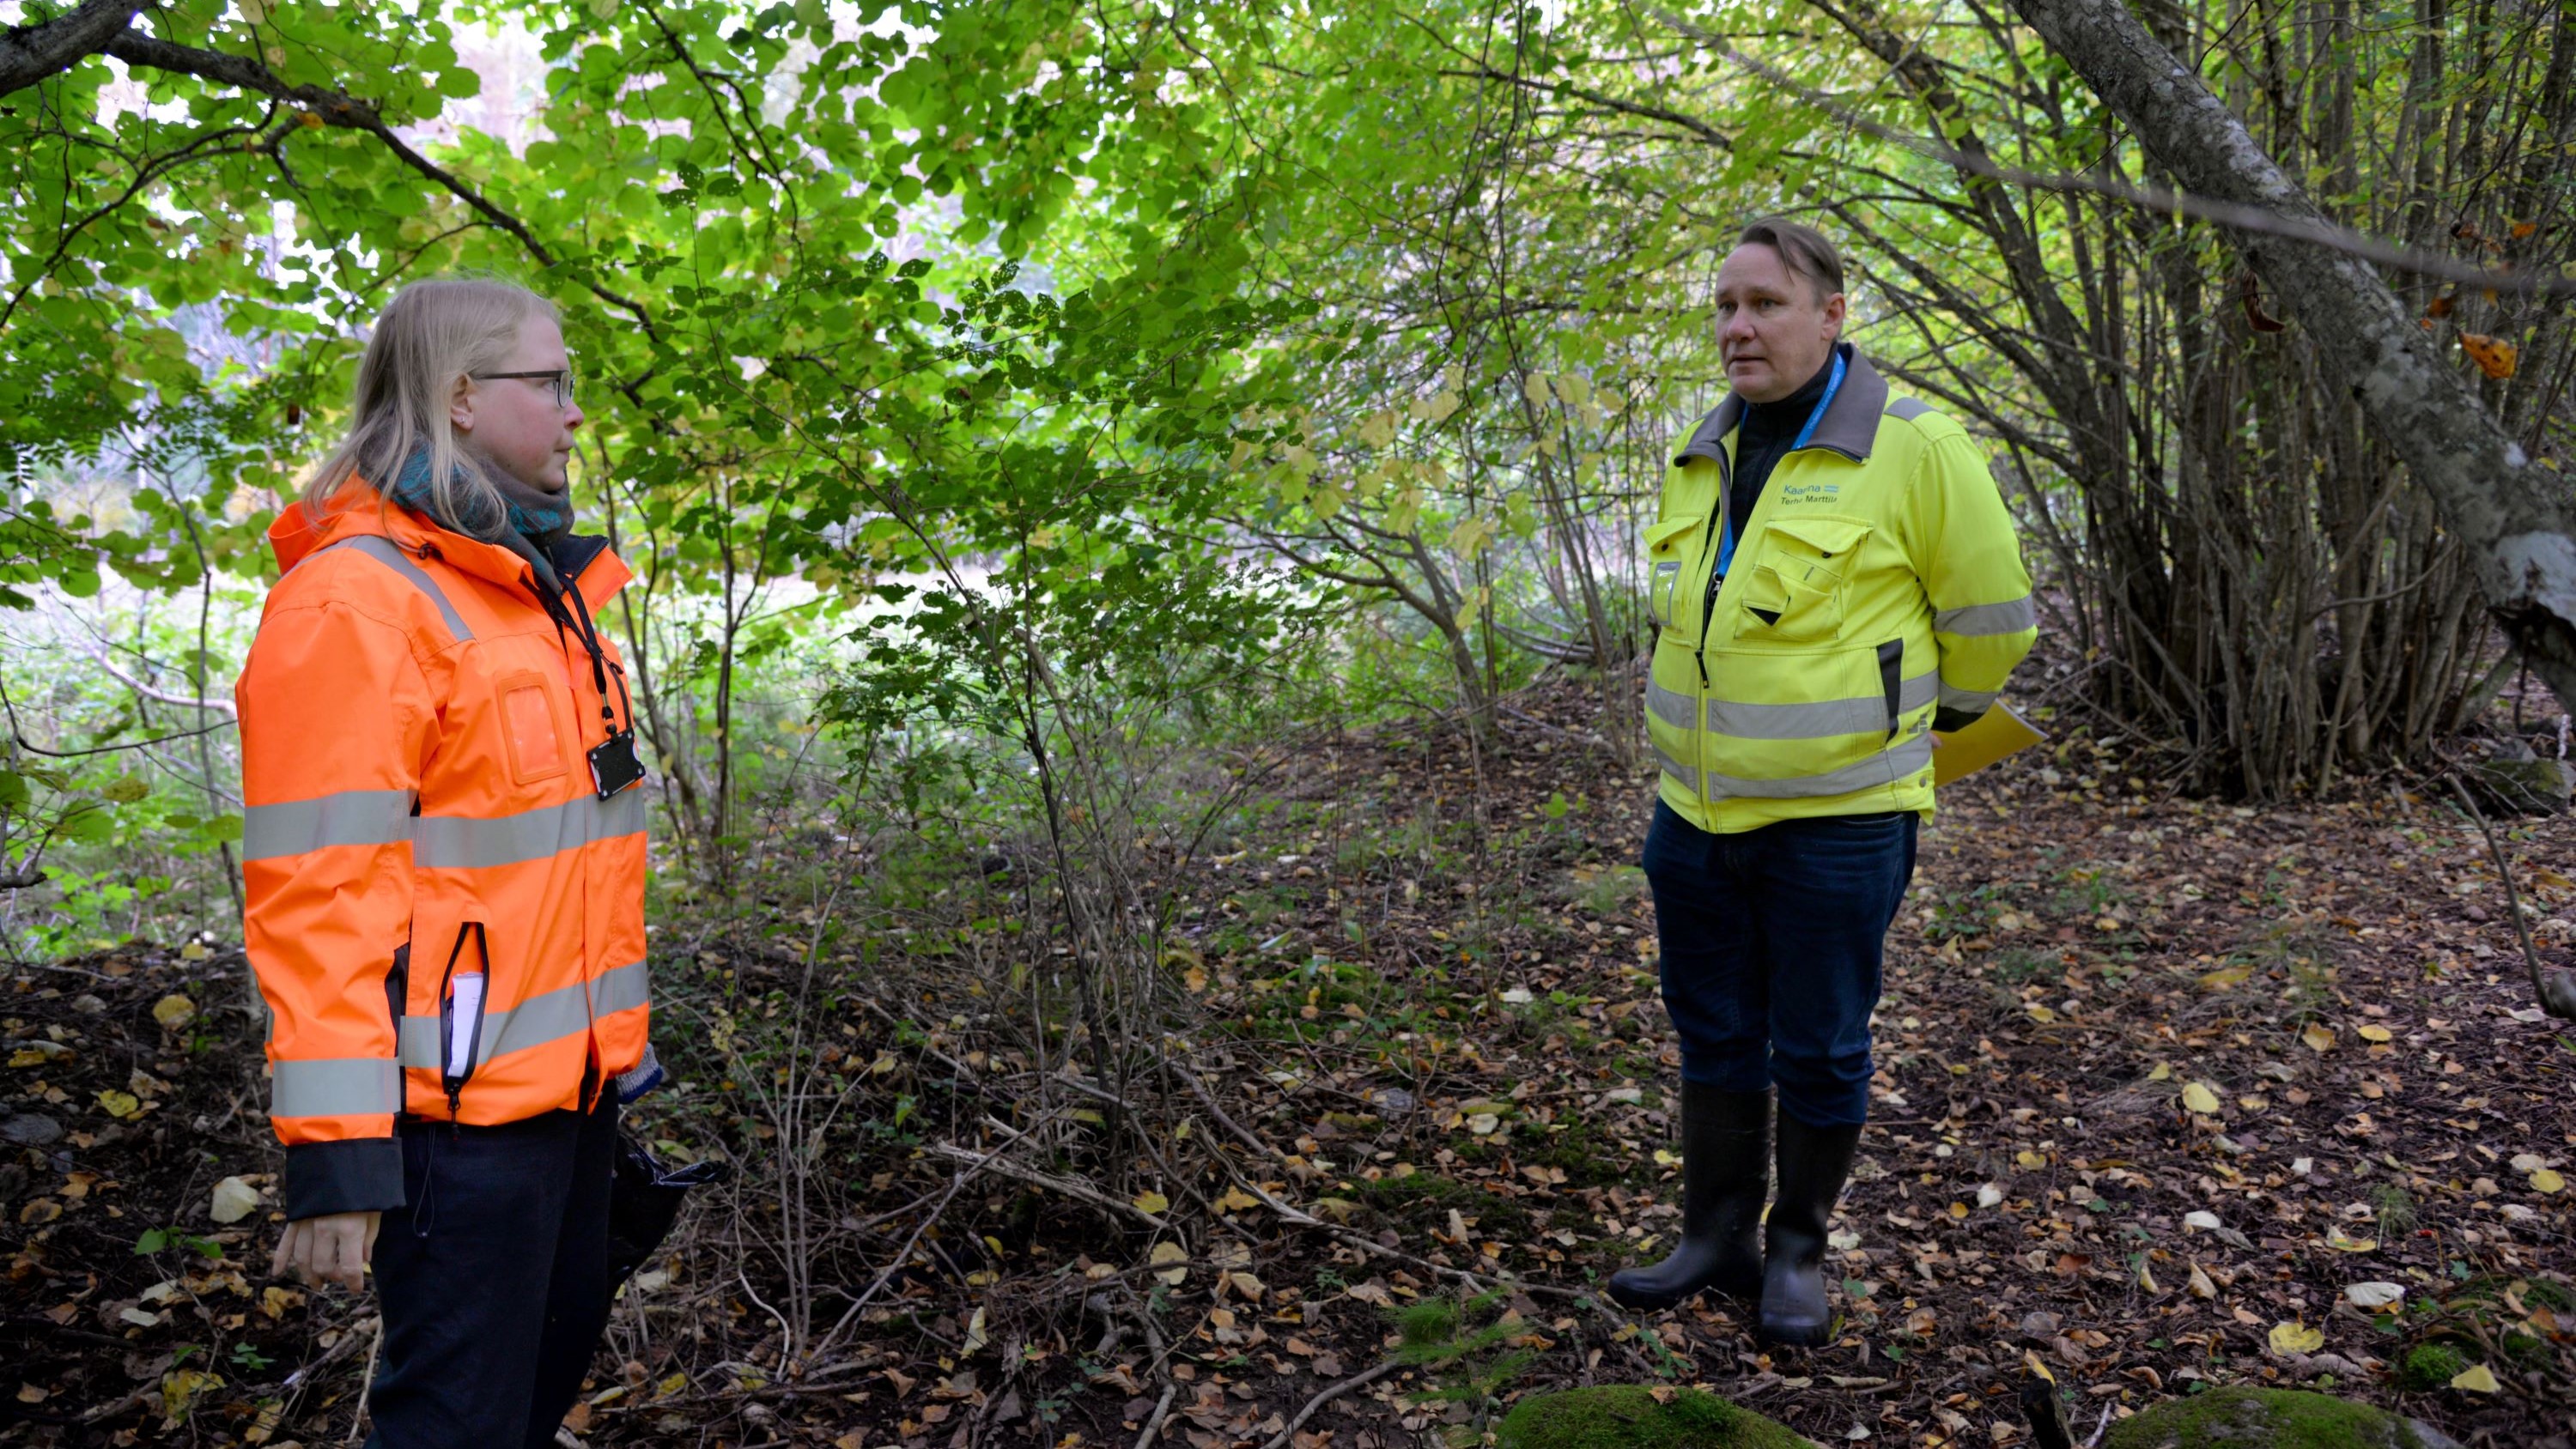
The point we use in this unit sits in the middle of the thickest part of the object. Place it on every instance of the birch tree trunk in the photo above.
(2515, 517)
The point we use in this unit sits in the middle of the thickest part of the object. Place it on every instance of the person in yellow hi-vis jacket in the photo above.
(1835, 583)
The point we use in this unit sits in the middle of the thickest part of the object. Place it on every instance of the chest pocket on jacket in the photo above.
(1796, 592)
(1668, 540)
(528, 717)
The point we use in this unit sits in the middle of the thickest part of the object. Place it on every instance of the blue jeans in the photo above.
(1772, 941)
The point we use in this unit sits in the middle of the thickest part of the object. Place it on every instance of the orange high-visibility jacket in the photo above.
(415, 764)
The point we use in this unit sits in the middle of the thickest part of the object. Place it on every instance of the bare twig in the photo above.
(1335, 1391)
(1080, 1191)
(2556, 989)
(222, 707)
(1162, 1410)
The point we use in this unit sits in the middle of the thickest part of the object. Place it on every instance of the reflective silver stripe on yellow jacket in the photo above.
(1675, 768)
(548, 1016)
(351, 817)
(1969, 701)
(1884, 768)
(1671, 705)
(336, 1087)
(389, 553)
(1817, 719)
(1970, 620)
(464, 842)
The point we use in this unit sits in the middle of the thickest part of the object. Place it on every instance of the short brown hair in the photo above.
(1803, 250)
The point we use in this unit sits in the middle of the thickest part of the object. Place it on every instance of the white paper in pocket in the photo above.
(465, 1013)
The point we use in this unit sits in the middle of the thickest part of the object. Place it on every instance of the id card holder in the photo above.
(613, 764)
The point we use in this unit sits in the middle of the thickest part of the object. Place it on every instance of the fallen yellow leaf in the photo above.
(2197, 1097)
(174, 1011)
(2336, 1240)
(2221, 980)
(2319, 1038)
(1236, 1200)
(2477, 1378)
(120, 1104)
(2371, 1033)
(2296, 1337)
(1151, 1202)
(1170, 1253)
(2029, 1161)
(180, 1388)
(2548, 1179)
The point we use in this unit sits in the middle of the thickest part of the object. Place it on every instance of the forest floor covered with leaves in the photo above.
(2171, 1094)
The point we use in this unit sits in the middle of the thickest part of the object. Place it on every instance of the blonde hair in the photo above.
(430, 336)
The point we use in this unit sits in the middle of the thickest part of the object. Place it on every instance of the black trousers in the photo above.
(494, 1281)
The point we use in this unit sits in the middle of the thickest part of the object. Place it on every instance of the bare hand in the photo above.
(333, 1248)
(1939, 739)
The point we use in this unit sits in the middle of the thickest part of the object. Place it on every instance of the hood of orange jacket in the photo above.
(446, 918)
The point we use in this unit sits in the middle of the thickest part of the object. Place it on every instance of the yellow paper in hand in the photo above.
(1997, 733)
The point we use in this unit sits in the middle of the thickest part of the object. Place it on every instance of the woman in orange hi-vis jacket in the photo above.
(444, 850)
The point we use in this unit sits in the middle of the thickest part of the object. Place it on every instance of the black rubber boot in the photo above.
(1814, 1161)
(1726, 1152)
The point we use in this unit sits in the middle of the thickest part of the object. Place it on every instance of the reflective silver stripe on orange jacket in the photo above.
(336, 1087)
(389, 553)
(351, 817)
(465, 842)
(545, 1017)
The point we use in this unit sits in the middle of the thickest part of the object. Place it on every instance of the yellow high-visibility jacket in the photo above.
(1878, 585)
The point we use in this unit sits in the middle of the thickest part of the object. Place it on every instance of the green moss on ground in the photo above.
(1628, 1416)
(2429, 1366)
(2246, 1418)
(1422, 1197)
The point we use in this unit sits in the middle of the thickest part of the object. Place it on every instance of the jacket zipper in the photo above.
(1708, 541)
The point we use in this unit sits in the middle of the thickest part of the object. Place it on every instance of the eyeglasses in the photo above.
(560, 380)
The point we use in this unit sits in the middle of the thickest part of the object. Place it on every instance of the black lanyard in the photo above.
(613, 762)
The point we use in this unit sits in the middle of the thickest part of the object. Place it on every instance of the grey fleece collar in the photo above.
(1849, 427)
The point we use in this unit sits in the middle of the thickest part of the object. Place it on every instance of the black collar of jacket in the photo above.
(1849, 427)
(572, 553)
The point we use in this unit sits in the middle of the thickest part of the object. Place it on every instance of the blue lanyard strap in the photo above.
(1833, 384)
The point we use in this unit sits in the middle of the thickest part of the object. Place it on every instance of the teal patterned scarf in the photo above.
(530, 513)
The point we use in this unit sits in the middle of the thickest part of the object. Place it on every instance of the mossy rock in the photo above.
(2245, 1418)
(1629, 1416)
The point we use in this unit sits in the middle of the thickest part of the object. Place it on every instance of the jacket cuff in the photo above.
(361, 1174)
(1947, 721)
